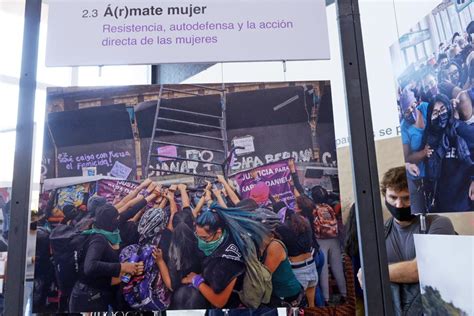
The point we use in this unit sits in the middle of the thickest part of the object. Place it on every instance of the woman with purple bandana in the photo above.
(413, 122)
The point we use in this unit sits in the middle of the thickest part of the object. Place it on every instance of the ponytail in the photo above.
(244, 227)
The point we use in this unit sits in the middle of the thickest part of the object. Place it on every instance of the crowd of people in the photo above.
(183, 248)
(437, 128)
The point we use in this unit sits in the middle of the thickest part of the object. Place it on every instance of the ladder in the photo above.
(177, 121)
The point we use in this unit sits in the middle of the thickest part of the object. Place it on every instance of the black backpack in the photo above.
(67, 245)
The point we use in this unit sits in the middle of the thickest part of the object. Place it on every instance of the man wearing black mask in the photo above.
(403, 270)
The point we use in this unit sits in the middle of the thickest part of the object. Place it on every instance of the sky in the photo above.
(447, 263)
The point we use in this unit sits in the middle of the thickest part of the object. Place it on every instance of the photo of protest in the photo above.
(434, 67)
(179, 197)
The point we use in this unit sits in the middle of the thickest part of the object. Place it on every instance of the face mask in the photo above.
(440, 122)
(208, 247)
(410, 118)
(402, 214)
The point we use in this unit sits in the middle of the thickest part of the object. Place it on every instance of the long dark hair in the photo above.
(297, 223)
(351, 244)
(183, 250)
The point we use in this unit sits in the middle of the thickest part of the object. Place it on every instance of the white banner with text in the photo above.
(82, 33)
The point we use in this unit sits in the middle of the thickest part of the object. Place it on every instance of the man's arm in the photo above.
(403, 272)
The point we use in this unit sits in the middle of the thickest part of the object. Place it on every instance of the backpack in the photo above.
(146, 292)
(257, 284)
(325, 222)
(67, 245)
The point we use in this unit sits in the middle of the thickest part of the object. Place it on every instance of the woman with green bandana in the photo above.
(101, 269)
(220, 234)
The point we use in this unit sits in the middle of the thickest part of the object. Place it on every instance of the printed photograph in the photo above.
(446, 287)
(434, 67)
(180, 197)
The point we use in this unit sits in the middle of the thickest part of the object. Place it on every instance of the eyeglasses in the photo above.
(437, 113)
(205, 238)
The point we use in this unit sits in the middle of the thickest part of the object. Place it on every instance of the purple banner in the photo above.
(272, 179)
(114, 190)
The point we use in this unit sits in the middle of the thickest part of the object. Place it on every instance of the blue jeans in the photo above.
(319, 260)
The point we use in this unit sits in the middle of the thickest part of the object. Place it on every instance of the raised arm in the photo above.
(132, 194)
(298, 188)
(230, 191)
(184, 196)
(136, 198)
(218, 195)
(173, 206)
(138, 205)
(202, 200)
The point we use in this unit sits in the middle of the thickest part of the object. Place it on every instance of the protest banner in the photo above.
(276, 176)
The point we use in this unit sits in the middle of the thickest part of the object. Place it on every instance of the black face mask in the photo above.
(402, 214)
(410, 118)
(440, 122)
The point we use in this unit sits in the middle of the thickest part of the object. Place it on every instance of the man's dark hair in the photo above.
(441, 56)
(454, 36)
(395, 179)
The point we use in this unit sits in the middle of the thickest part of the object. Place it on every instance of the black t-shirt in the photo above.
(101, 263)
(222, 266)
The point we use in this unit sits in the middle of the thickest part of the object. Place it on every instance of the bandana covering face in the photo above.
(112, 237)
(209, 247)
(151, 225)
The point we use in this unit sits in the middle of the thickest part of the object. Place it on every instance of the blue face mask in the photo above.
(208, 247)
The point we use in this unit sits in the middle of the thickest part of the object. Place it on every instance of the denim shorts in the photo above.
(307, 275)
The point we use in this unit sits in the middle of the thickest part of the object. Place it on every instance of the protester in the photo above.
(399, 241)
(305, 206)
(196, 248)
(450, 168)
(415, 152)
(287, 291)
(219, 237)
(326, 230)
(94, 290)
(438, 169)
(184, 257)
(297, 236)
